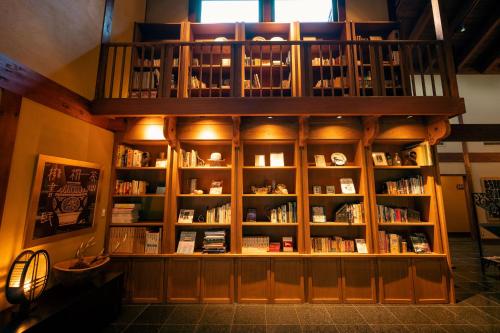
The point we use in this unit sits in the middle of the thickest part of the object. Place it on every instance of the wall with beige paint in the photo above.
(366, 10)
(125, 14)
(166, 11)
(45, 131)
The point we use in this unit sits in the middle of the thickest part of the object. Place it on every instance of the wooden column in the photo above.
(10, 107)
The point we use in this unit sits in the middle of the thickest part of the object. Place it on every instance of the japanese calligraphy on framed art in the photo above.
(63, 200)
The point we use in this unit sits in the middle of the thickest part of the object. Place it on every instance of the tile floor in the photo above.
(477, 310)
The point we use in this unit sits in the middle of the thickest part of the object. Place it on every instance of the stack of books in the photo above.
(134, 187)
(214, 241)
(350, 213)
(255, 244)
(286, 213)
(391, 215)
(337, 244)
(394, 243)
(129, 157)
(221, 214)
(413, 185)
(125, 213)
(146, 80)
(134, 240)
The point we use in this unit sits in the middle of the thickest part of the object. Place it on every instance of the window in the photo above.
(303, 10)
(228, 11)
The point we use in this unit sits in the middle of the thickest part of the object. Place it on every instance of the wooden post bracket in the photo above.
(303, 130)
(438, 128)
(170, 131)
(236, 131)
(371, 129)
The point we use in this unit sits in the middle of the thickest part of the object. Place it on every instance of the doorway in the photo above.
(455, 204)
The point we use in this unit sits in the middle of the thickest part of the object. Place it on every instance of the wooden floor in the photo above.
(477, 310)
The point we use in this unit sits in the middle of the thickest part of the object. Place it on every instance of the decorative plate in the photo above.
(259, 39)
(220, 39)
(277, 39)
(338, 159)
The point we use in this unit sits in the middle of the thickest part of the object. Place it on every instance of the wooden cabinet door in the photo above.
(287, 280)
(146, 280)
(254, 280)
(395, 281)
(324, 280)
(217, 280)
(122, 265)
(430, 276)
(358, 280)
(183, 280)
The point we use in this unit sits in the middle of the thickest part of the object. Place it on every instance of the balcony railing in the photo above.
(273, 69)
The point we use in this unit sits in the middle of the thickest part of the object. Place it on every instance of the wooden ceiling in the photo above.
(474, 27)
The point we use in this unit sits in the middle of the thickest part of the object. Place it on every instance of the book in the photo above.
(186, 243)
(125, 213)
(214, 241)
(350, 213)
(412, 185)
(255, 244)
(387, 214)
(419, 243)
(287, 244)
(361, 245)
(318, 214)
(335, 244)
(277, 160)
(152, 242)
(347, 186)
(186, 216)
(220, 214)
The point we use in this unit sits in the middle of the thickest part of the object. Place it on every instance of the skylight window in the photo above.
(229, 11)
(303, 10)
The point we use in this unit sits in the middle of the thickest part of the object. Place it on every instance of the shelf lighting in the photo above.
(339, 117)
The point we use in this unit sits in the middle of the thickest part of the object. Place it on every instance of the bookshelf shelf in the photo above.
(224, 168)
(339, 195)
(269, 195)
(336, 224)
(203, 196)
(268, 224)
(140, 169)
(255, 168)
(138, 195)
(137, 224)
(403, 195)
(403, 167)
(407, 224)
(203, 225)
(343, 167)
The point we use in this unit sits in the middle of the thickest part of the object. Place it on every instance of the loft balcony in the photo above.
(357, 76)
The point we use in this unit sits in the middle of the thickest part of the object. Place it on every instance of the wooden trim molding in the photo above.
(294, 106)
(10, 107)
(23, 81)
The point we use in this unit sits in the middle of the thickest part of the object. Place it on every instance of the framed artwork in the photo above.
(316, 189)
(379, 159)
(63, 200)
(319, 161)
(318, 214)
(491, 188)
(330, 189)
(186, 216)
(277, 159)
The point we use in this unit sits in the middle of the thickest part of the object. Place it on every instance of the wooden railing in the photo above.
(273, 69)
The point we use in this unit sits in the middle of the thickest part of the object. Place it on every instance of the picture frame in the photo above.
(491, 187)
(216, 187)
(260, 160)
(63, 201)
(320, 161)
(317, 189)
(379, 159)
(330, 189)
(277, 159)
(347, 186)
(186, 216)
(318, 214)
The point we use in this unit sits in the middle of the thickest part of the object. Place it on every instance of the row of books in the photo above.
(285, 213)
(256, 83)
(413, 185)
(252, 61)
(134, 240)
(125, 213)
(134, 187)
(262, 244)
(129, 157)
(338, 244)
(214, 241)
(336, 82)
(220, 214)
(391, 215)
(145, 80)
(350, 213)
(155, 62)
(326, 61)
(189, 159)
(394, 243)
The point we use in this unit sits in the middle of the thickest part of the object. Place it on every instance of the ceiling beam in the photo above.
(480, 37)
(423, 21)
(488, 57)
(474, 133)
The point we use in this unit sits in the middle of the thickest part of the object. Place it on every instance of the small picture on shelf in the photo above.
(186, 216)
(338, 159)
(379, 159)
(287, 244)
(251, 215)
(330, 189)
(160, 189)
(216, 187)
(260, 160)
(317, 189)
(319, 160)
(361, 245)
(277, 159)
(318, 214)
(186, 242)
(274, 247)
(419, 243)
(347, 186)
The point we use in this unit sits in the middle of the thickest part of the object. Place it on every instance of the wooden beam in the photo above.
(278, 106)
(473, 157)
(236, 131)
(488, 58)
(423, 21)
(170, 131)
(438, 128)
(371, 130)
(480, 38)
(10, 107)
(21, 80)
(474, 133)
(303, 130)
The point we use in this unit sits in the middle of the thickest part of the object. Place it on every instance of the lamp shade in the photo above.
(28, 277)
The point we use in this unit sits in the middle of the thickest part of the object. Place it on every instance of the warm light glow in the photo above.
(270, 117)
(208, 134)
(339, 117)
(154, 132)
